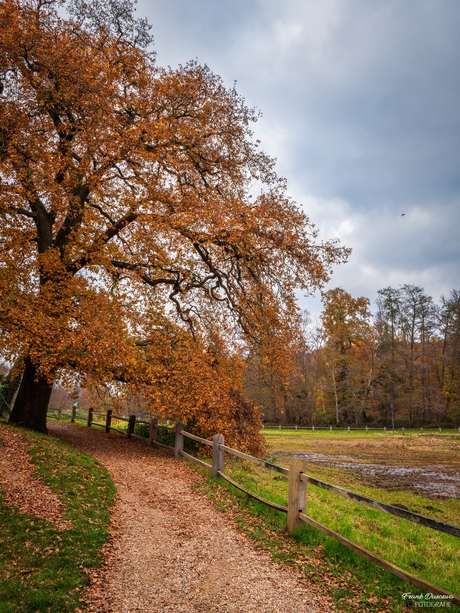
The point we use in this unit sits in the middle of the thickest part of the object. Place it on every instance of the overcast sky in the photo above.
(361, 108)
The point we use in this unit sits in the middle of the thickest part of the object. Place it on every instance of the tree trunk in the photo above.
(31, 405)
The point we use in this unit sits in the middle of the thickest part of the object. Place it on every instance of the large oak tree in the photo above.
(142, 230)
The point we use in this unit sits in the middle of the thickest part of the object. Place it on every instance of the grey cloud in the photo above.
(360, 103)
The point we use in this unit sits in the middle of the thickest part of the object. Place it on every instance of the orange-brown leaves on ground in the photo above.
(126, 205)
(22, 486)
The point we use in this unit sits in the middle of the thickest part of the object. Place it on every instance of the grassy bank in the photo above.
(355, 583)
(42, 568)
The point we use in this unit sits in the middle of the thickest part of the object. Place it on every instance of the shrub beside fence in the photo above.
(297, 493)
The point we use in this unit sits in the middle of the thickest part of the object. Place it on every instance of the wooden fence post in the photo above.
(330, 428)
(313, 428)
(90, 417)
(296, 427)
(385, 430)
(217, 454)
(403, 431)
(367, 429)
(297, 500)
(153, 430)
(279, 427)
(108, 420)
(178, 441)
(73, 415)
(59, 413)
(440, 429)
(131, 422)
(421, 430)
(348, 429)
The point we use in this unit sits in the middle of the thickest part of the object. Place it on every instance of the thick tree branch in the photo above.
(25, 212)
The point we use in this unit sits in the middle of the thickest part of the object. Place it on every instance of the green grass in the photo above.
(405, 544)
(290, 439)
(48, 566)
(41, 568)
(372, 432)
(355, 583)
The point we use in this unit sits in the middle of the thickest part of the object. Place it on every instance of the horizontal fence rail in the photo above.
(193, 437)
(395, 570)
(298, 480)
(192, 458)
(162, 446)
(385, 508)
(269, 503)
(245, 456)
(297, 502)
(297, 495)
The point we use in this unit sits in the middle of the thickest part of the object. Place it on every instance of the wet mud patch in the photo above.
(438, 481)
(427, 465)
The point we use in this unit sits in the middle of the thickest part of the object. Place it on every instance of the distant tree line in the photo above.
(356, 367)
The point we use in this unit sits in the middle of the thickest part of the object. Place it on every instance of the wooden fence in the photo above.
(366, 429)
(297, 493)
(73, 414)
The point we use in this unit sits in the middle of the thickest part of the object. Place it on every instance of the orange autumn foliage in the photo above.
(128, 218)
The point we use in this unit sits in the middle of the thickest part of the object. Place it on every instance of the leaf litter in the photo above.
(171, 551)
(22, 488)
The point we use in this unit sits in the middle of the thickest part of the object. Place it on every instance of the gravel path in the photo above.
(171, 551)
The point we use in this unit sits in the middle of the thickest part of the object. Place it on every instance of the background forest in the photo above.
(355, 367)
(352, 367)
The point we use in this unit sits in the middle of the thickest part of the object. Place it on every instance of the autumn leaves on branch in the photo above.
(145, 240)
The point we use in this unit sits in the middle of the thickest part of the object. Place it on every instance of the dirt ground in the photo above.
(418, 463)
(171, 550)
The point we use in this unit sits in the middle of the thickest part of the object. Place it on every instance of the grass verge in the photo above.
(354, 583)
(43, 569)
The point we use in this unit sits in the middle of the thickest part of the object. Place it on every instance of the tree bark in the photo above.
(31, 405)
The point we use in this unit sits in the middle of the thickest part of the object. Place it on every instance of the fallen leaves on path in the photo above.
(170, 550)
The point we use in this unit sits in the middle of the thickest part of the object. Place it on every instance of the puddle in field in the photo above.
(437, 480)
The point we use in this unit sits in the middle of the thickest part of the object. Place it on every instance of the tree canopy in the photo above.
(145, 238)
(355, 367)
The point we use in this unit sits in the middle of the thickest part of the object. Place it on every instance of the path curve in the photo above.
(171, 550)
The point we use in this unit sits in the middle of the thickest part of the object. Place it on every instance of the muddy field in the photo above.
(428, 464)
